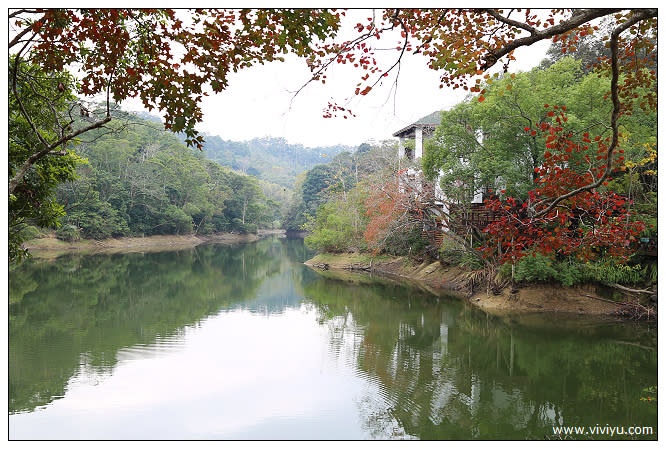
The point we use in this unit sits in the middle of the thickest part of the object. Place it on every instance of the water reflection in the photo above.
(81, 313)
(452, 372)
(244, 342)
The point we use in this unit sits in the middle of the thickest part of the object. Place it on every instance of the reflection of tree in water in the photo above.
(447, 371)
(79, 311)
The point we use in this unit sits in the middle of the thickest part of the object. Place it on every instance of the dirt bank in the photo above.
(448, 280)
(50, 246)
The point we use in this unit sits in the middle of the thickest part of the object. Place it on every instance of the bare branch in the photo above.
(17, 63)
(346, 47)
(510, 22)
(18, 38)
(23, 11)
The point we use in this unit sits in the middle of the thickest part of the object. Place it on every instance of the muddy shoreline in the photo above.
(49, 247)
(581, 300)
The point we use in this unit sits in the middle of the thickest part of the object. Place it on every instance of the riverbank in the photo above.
(49, 246)
(588, 299)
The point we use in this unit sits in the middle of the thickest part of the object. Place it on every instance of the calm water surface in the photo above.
(245, 342)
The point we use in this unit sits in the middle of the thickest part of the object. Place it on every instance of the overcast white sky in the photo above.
(257, 101)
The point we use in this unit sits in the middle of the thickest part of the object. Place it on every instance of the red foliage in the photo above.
(396, 205)
(585, 225)
(384, 205)
(462, 44)
(167, 62)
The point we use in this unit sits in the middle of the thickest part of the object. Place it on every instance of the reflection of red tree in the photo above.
(585, 225)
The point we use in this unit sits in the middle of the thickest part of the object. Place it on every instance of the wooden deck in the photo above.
(470, 216)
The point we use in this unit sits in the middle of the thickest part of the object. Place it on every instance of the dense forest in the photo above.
(143, 181)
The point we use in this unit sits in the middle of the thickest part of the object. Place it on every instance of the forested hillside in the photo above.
(272, 159)
(143, 181)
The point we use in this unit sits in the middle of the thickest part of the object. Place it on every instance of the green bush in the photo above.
(68, 233)
(326, 240)
(30, 232)
(339, 225)
(450, 252)
(537, 267)
(614, 273)
(453, 253)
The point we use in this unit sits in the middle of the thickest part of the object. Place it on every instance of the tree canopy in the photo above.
(144, 181)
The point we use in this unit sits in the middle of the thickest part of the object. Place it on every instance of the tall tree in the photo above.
(31, 202)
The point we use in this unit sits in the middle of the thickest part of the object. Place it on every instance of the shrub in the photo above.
(453, 253)
(68, 233)
(535, 267)
(30, 232)
(613, 273)
(411, 242)
(339, 225)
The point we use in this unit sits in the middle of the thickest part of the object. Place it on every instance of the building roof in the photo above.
(429, 121)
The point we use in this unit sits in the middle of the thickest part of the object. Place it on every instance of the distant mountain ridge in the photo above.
(272, 159)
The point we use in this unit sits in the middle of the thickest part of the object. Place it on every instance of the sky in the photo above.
(260, 100)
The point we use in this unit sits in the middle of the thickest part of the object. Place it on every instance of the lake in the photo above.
(245, 342)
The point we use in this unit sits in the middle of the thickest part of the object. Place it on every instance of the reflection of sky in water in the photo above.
(280, 384)
(349, 362)
(275, 294)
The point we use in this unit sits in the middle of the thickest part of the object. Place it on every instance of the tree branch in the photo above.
(511, 22)
(615, 75)
(575, 21)
(18, 37)
(40, 154)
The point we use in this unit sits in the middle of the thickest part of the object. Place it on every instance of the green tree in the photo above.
(492, 143)
(144, 181)
(340, 223)
(31, 202)
(244, 208)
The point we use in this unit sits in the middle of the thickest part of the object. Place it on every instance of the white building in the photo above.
(424, 128)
